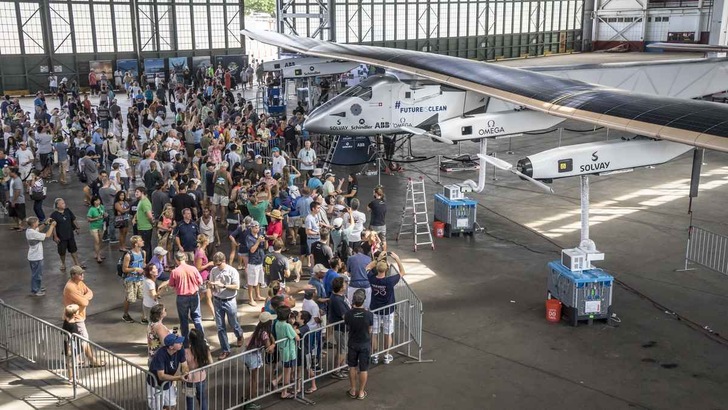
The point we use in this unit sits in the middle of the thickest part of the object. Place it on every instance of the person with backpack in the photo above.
(221, 191)
(132, 269)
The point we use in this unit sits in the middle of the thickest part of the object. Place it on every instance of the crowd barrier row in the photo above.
(231, 383)
(707, 249)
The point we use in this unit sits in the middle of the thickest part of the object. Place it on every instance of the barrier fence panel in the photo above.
(707, 249)
(119, 382)
(320, 361)
(403, 291)
(35, 340)
(238, 380)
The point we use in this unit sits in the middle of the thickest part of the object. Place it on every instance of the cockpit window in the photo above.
(365, 93)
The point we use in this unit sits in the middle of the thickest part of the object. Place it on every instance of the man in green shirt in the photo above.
(257, 209)
(144, 220)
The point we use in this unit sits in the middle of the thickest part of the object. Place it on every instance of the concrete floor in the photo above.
(484, 321)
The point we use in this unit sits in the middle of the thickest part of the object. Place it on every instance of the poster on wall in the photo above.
(131, 66)
(152, 67)
(200, 61)
(179, 65)
(101, 66)
(234, 63)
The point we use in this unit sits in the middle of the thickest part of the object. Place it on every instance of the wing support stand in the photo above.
(582, 256)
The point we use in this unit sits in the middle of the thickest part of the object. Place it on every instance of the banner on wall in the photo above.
(200, 61)
(179, 65)
(152, 67)
(131, 66)
(101, 66)
(234, 63)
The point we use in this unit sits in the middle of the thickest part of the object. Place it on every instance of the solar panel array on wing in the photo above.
(686, 115)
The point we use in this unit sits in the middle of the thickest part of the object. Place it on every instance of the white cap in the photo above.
(338, 222)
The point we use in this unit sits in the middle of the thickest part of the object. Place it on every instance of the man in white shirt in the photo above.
(35, 238)
(278, 162)
(307, 157)
(25, 160)
(359, 219)
(225, 282)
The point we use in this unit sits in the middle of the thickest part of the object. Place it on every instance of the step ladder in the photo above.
(414, 220)
(331, 153)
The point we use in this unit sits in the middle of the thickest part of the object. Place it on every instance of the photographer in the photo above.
(35, 237)
(382, 286)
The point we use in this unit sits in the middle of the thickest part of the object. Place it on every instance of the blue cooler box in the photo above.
(584, 295)
(457, 214)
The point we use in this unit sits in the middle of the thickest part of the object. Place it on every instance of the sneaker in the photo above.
(105, 240)
(263, 286)
(245, 287)
(39, 293)
(126, 318)
(374, 359)
(144, 321)
(42, 289)
(114, 241)
(388, 358)
(339, 375)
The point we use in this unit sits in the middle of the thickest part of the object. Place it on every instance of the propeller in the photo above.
(499, 163)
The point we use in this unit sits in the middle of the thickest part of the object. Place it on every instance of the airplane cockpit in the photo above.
(357, 110)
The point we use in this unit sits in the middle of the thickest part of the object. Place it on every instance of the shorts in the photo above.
(46, 159)
(289, 364)
(340, 339)
(17, 211)
(295, 221)
(381, 232)
(220, 200)
(67, 245)
(255, 274)
(385, 322)
(133, 291)
(82, 329)
(358, 356)
(253, 360)
(161, 399)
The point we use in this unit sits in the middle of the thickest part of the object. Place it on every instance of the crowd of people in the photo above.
(196, 187)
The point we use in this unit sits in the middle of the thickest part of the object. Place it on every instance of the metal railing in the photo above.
(707, 249)
(228, 384)
(81, 362)
(36, 341)
(231, 384)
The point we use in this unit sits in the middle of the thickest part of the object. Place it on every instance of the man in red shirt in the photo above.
(185, 279)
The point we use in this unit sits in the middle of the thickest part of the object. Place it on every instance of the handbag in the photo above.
(38, 195)
(121, 221)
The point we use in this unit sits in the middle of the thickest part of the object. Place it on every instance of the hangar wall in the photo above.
(40, 36)
(477, 29)
(637, 23)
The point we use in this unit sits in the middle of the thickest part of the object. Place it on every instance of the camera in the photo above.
(174, 330)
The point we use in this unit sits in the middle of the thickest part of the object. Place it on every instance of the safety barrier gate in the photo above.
(707, 249)
(226, 384)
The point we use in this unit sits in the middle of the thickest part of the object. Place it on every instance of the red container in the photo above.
(553, 310)
(439, 229)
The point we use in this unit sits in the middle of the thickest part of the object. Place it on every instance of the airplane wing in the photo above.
(698, 123)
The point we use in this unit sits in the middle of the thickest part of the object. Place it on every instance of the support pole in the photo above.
(584, 179)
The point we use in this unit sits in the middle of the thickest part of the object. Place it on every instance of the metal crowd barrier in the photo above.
(229, 384)
(119, 383)
(707, 249)
(36, 341)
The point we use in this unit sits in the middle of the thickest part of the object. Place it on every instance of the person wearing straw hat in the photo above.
(275, 227)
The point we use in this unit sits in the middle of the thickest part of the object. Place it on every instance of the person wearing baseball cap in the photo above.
(278, 162)
(167, 365)
(159, 259)
(328, 187)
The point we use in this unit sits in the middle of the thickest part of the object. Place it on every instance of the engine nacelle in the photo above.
(599, 158)
(491, 125)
